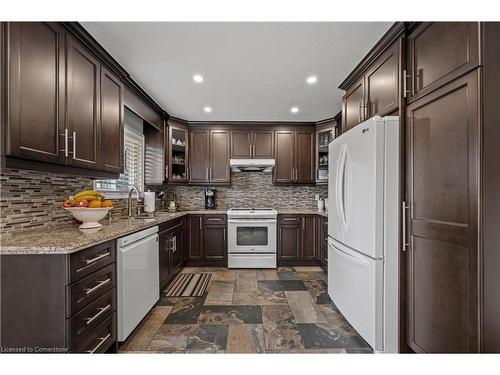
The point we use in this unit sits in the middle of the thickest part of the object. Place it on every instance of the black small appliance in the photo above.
(209, 198)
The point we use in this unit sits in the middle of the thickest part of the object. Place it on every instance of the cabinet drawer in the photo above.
(214, 219)
(85, 262)
(91, 316)
(100, 339)
(87, 290)
(289, 219)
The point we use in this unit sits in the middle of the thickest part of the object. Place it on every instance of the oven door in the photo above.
(251, 236)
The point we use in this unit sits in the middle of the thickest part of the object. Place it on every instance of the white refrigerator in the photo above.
(363, 230)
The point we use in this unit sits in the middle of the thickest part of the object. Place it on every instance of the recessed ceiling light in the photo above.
(207, 109)
(312, 80)
(198, 78)
(294, 109)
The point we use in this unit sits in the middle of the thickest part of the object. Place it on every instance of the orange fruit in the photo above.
(94, 204)
(107, 203)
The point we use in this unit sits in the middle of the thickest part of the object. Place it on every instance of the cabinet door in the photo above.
(309, 243)
(214, 242)
(83, 105)
(263, 144)
(165, 241)
(199, 160)
(36, 77)
(194, 237)
(352, 111)
(177, 254)
(289, 242)
(241, 144)
(178, 151)
(440, 52)
(382, 86)
(219, 156)
(111, 122)
(285, 166)
(442, 165)
(304, 157)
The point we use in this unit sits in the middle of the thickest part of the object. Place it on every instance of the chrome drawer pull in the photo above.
(101, 283)
(289, 219)
(101, 311)
(90, 261)
(103, 340)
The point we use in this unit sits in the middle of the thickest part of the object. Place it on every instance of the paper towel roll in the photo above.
(149, 201)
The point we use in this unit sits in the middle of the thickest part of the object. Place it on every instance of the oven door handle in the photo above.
(252, 221)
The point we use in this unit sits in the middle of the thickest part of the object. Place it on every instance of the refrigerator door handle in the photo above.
(341, 186)
(337, 190)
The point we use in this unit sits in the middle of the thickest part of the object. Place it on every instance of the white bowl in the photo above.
(88, 216)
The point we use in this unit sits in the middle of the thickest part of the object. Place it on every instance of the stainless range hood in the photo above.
(252, 165)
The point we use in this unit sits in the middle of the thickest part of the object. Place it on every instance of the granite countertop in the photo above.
(69, 239)
(303, 211)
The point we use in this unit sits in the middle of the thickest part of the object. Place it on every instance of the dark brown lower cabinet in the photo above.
(59, 302)
(171, 250)
(206, 240)
(442, 192)
(297, 239)
(322, 230)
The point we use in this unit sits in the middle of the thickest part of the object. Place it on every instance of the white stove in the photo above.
(252, 237)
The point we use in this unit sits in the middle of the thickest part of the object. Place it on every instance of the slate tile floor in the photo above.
(286, 310)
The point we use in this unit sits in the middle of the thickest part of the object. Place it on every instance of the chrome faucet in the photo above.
(130, 214)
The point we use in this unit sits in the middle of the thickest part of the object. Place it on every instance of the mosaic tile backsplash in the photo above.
(249, 189)
(30, 199)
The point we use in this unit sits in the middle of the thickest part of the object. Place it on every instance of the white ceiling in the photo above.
(253, 71)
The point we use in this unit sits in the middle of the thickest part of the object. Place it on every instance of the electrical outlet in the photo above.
(316, 197)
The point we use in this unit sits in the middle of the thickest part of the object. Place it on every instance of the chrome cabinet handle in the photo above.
(65, 149)
(74, 145)
(250, 150)
(166, 172)
(90, 261)
(200, 223)
(289, 219)
(405, 83)
(101, 283)
(303, 223)
(366, 107)
(207, 174)
(403, 219)
(360, 117)
(102, 310)
(174, 244)
(253, 153)
(103, 340)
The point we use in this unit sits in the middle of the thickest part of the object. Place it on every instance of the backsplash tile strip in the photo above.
(32, 199)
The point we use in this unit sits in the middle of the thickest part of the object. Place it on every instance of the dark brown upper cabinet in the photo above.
(324, 135)
(247, 144)
(177, 149)
(209, 159)
(199, 160)
(36, 102)
(294, 156)
(64, 107)
(376, 92)
(352, 105)
(439, 52)
(219, 171)
(111, 122)
(82, 112)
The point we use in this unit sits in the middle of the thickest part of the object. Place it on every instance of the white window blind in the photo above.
(133, 170)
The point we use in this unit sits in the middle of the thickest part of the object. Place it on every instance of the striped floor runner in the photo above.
(189, 285)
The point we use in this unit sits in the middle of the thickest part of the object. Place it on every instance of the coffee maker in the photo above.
(209, 198)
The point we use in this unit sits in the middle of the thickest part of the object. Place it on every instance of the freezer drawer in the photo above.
(355, 285)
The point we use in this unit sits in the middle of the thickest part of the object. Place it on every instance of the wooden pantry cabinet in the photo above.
(63, 106)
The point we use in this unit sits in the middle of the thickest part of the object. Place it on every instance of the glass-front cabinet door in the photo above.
(178, 154)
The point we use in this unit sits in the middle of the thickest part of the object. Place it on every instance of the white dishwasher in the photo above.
(138, 278)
